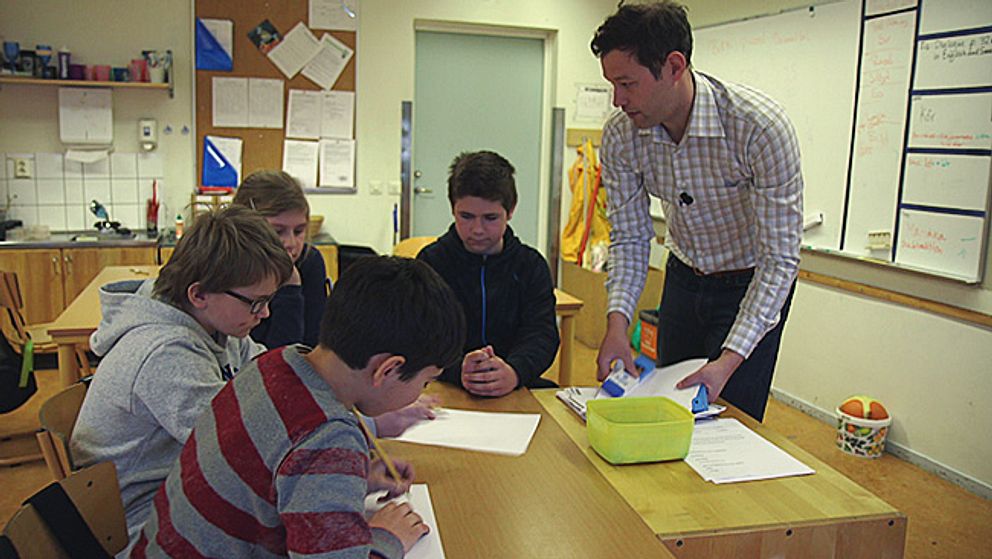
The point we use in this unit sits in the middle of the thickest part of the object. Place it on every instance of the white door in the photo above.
(475, 92)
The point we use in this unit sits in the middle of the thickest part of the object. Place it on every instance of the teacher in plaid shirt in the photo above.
(724, 160)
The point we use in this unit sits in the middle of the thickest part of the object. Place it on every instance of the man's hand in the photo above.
(380, 480)
(615, 346)
(714, 374)
(392, 424)
(486, 374)
(400, 521)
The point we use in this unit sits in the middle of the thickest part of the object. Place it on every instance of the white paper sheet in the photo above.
(429, 546)
(223, 31)
(265, 103)
(593, 103)
(337, 114)
(334, 14)
(295, 50)
(326, 66)
(230, 148)
(499, 433)
(299, 158)
(230, 102)
(337, 163)
(303, 118)
(725, 451)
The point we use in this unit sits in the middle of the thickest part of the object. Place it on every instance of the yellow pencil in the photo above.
(378, 448)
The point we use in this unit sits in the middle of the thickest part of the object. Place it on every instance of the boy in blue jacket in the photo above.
(504, 286)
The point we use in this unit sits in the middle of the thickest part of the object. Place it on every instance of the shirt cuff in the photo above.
(744, 337)
(385, 544)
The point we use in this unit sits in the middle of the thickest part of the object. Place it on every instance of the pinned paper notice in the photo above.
(296, 49)
(325, 68)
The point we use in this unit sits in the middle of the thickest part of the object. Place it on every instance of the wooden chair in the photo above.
(411, 247)
(18, 331)
(94, 493)
(58, 416)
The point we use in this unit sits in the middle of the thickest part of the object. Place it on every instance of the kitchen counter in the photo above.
(64, 240)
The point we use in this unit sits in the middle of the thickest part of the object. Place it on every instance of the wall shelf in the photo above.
(15, 80)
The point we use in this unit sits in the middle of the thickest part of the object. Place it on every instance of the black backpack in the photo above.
(12, 393)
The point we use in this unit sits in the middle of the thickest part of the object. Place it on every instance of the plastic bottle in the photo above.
(619, 381)
(180, 225)
(63, 63)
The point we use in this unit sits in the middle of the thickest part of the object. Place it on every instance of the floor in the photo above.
(945, 521)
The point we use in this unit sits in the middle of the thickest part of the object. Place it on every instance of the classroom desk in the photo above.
(824, 515)
(549, 502)
(73, 327)
(566, 306)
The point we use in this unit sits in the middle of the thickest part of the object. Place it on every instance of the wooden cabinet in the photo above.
(50, 278)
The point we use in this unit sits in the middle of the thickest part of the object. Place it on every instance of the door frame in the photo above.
(549, 39)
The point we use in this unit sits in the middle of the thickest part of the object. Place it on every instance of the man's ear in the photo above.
(509, 213)
(384, 365)
(676, 64)
(196, 295)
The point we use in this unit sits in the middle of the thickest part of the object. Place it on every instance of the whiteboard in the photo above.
(892, 111)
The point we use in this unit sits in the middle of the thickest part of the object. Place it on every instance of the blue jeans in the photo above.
(695, 316)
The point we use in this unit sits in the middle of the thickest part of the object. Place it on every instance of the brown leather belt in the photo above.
(723, 273)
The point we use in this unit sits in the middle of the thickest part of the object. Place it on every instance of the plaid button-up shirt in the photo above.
(738, 166)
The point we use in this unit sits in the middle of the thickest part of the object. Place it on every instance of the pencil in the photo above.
(378, 448)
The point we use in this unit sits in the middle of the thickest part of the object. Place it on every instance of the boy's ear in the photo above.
(196, 296)
(509, 214)
(384, 365)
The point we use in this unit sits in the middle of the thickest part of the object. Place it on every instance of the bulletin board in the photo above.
(891, 102)
(262, 148)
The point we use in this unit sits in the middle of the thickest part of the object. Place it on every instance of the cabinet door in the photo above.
(39, 273)
(330, 254)
(81, 265)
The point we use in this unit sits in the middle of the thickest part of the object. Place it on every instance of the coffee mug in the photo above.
(121, 74)
(77, 72)
(139, 70)
(101, 73)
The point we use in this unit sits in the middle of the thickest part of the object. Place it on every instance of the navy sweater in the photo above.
(295, 311)
(508, 299)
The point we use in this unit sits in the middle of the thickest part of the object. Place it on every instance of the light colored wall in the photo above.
(105, 32)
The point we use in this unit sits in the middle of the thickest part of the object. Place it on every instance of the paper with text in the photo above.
(419, 497)
(499, 433)
(337, 163)
(303, 116)
(299, 159)
(265, 103)
(295, 50)
(333, 14)
(726, 451)
(230, 102)
(326, 66)
(337, 114)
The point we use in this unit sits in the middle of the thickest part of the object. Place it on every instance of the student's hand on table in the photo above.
(714, 374)
(486, 374)
(294, 278)
(614, 346)
(400, 520)
(392, 424)
(380, 480)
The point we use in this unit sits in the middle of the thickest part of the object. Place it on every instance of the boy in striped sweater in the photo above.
(278, 466)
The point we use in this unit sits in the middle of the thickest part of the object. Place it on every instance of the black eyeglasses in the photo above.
(255, 306)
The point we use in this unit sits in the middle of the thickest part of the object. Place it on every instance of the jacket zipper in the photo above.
(482, 283)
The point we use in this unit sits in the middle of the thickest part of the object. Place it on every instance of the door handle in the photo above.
(422, 190)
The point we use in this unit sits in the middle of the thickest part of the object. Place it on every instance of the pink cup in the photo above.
(139, 70)
(102, 73)
(90, 73)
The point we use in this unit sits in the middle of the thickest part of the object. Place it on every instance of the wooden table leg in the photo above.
(68, 367)
(567, 339)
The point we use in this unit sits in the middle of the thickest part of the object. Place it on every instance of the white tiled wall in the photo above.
(59, 192)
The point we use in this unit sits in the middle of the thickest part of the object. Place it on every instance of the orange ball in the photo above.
(864, 407)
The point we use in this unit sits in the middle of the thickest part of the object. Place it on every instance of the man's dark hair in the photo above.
(398, 306)
(648, 31)
(482, 174)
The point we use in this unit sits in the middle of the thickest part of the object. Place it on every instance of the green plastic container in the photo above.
(634, 430)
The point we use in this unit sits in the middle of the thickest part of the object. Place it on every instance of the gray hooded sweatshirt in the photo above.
(159, 371)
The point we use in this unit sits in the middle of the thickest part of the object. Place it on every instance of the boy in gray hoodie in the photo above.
(169, 345)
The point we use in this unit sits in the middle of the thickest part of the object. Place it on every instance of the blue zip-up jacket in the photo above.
(508, 299)
(295, 311)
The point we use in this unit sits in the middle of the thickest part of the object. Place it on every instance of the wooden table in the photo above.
(549, 502)
(73, 327)
(566, 306)
(824, 515)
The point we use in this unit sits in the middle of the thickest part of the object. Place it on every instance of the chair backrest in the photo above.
(96, 495)
(58, 416)
(411, 247)
(12, 322)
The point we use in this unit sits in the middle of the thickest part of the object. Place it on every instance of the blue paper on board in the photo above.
(209, 54)
(217, 169)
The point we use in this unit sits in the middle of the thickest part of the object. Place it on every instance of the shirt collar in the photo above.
(704, 120)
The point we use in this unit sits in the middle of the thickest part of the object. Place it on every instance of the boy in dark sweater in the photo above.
(504, 285)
